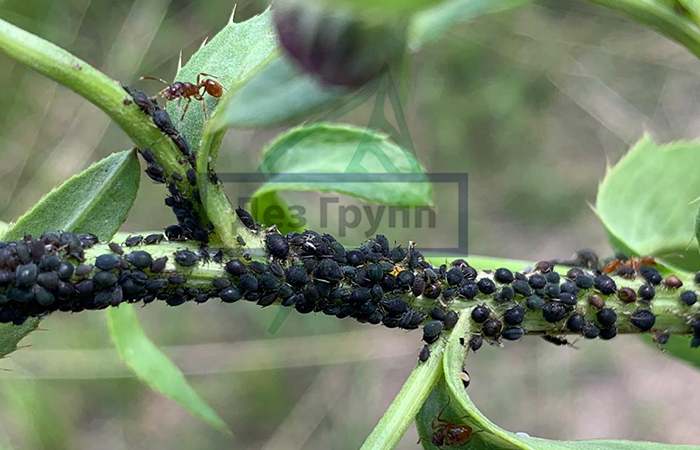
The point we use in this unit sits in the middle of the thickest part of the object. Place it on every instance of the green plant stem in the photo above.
(670, 313)
(403, 409)
(664, 16)
(216, 204)
(102, 91)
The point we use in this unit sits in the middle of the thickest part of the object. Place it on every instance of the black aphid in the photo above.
(480, 313)
(643, 319)
(605, 284)
(108, 261)
(277, 245)
(116, 248)
(503, 275)
(104, 279)
(454, 276)
(162, 120)
(475, 342)
(468, 290)
(651, 275)
(424, 354)
(450, 320)
(174, 232)
(590, 330)
(246, 219)
(133, 241)
(584, 281)
(553, 312)
(537, 281)
(522, 287)
(646, 292)
(432, 330)
(158, 264)
(152, 239)
(486, 286)
(140, 259)
(186, 258)
(514, 315)
(191, 176)
(491, 328)
(568, 298)
(606, 317)
(65, 270)
(534, 302)
(25, 275)
(575, 323)
(689, 297)
(156, 173)
(608, 333)
(513, 333)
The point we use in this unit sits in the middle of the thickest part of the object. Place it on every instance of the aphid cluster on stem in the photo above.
(376, 283)
(190, 223)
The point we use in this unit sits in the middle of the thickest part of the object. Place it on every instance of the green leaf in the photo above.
(402, 410)
(645, 202)
(153, 367)
(10, 335)
(96, 200)
(329, 149)
(232, 56)
(450, 398)
(277, 94)
(432, 23)
(270, 209)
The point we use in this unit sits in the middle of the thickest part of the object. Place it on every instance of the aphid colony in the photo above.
(376, 283)
(190, 225)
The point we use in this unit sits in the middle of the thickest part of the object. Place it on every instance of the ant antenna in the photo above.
(155, 79)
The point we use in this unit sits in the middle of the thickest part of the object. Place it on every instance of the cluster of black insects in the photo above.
(376, 283)
(190, 225)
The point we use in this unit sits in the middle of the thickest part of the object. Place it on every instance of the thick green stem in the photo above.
(108, 95)
(671, 314)
(102, 91)
(667, 17)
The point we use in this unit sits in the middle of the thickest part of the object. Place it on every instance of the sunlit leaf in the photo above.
(233, 55)
(153, 367)
(646, 202)
(96, 200)
(305, 159)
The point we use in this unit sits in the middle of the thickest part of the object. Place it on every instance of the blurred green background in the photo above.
(533, 104)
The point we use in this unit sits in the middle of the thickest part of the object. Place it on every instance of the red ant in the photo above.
(184, 89)
(449, 434)
(632, 264)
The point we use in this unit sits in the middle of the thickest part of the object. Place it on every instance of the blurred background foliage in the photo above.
(532, 103)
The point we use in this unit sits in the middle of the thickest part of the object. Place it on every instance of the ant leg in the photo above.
(439, 417)
(204, 109)
(184, 111)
